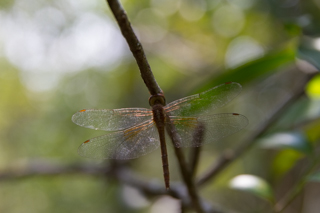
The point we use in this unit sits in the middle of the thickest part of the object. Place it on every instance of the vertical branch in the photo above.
(186, 175)
(135, 46)
(195, 152)
(154, 89)
(194, 155)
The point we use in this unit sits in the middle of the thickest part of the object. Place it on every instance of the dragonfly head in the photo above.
(157, 99)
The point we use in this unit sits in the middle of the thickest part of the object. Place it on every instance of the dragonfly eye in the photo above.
(157, 99)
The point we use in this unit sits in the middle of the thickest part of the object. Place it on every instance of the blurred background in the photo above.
(61, 56)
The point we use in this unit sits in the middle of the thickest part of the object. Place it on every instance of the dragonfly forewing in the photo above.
(205, 102)
(216, 127)
(125, 144)
(111, 119)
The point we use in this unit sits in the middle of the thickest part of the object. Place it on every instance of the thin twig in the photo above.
(122, 174)
(186, 174)
(135, 46)
(194, 160)
(195, 152)
(50, 168)
(47, 168)
(228, 157)
(187, 178)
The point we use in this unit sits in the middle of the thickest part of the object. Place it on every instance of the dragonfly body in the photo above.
(134, 132)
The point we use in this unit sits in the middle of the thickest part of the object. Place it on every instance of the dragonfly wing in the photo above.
(111, 119)
(125, 144)
(204, 102)
(215, 127)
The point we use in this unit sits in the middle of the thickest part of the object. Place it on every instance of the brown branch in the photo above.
(120, 173)
(186, 174)
(195, 151)
(47, 168)
(135, 46)
(194, 160)
(154, 89)
(50, 168)
(228, 157)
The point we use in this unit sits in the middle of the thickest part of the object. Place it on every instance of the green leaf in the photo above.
(254, 185)
(256, 68)
(313, 87)
(312, 130)
(284, 161)
(287, 140)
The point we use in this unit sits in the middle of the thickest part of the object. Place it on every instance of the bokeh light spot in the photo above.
(313, 88)
(228, 20)
(241, 50)
(192, 10)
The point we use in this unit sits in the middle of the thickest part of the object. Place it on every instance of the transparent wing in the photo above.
(204, 102)
(126, 144)
(215, 127)
(111, 119)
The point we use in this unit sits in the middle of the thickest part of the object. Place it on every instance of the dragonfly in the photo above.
(133, 132)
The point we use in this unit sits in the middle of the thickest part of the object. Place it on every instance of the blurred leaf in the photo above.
(309, 51)
(292, 29)
(6, 3)
(313, 87)
(287, 140)
(256, 68)
(254, 185)
(302, 112)
(310, 55)
(284, 161)
(312, 130)
(314, 177)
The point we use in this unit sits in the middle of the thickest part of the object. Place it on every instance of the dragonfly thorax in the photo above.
(159, 114)
(157, 99)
